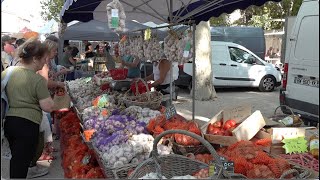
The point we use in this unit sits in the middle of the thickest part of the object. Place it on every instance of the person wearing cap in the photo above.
(161, 75)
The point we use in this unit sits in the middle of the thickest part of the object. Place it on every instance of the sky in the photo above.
(14, 11)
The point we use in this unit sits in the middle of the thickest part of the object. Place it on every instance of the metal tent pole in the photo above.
(193, 70)
(171, 89)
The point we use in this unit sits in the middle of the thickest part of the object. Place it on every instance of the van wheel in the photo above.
(267, 83)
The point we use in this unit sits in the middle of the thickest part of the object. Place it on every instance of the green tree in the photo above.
(51, 9)
(263, 16)
(222, 20)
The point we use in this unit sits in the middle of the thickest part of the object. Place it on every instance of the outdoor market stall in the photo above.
(125, 134)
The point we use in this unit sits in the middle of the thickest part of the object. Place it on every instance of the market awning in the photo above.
(158, 11)
(215, 10)
(97, 30)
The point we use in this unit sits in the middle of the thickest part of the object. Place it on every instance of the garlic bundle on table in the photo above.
(115, 4)
(152, 49)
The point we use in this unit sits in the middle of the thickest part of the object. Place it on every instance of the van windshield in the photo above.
(242, 56)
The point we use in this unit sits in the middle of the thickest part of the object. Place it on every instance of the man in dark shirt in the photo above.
(88, 49)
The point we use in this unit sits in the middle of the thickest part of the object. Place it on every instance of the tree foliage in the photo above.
(51, 9)
(222, 20)
(265, 15)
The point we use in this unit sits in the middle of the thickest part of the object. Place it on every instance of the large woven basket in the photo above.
(278, 116)
(176, 165)
(150, 99)
(111, 172)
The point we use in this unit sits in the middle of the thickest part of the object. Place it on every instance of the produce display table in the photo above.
(117, 127)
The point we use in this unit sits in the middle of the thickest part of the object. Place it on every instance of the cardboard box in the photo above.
(250, 125)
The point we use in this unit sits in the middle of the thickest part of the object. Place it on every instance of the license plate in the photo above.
(306, 82)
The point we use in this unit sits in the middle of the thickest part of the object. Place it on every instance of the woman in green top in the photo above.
(133, 64)
(28, 95)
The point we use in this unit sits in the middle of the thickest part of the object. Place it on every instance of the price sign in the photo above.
(295, 145)
(87, 79)
(186, 51)
(147, 34)
(114, 18)
(227, 165)
(170, 112)
(103, 101)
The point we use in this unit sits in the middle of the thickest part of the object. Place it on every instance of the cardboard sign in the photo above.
(278, 134)
(295, 145)
(186, 51)
(147, 34)
(237, 113)
(170, 112)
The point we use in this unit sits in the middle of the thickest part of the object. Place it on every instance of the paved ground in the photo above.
(265, 102)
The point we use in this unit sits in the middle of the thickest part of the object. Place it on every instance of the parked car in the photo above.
(300, 89)
(236, 66)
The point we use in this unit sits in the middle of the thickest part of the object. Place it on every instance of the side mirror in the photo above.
(252, 60)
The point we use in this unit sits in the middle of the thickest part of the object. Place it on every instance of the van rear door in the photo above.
(303, 73)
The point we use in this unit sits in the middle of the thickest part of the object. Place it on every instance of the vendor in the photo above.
(69, 60)
(132, 63)
(88, 49)
(161, 75)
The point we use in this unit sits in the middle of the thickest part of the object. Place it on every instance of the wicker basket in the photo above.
(296, 170)
(176, 165)
(277, 117)
(149, 99)
(111, 172)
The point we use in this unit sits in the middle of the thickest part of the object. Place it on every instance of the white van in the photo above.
(236, 66)
(300, 89)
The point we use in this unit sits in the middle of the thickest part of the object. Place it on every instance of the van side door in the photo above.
(220, 65)
(245, 68)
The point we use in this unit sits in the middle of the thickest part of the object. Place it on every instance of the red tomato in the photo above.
(221, 132)
(218, 124)
(214, 130)
(227, 133)
(209, 128)
(229, 124)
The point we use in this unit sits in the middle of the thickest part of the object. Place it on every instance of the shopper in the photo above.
(8, 47)
(13, 42)
(132, 63)
(28, 96)
(16, 59)
(6, 58)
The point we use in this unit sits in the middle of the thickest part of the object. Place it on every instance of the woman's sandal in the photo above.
(51, 149)
(46, 157)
